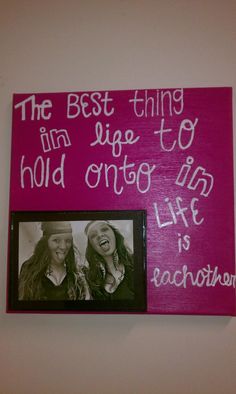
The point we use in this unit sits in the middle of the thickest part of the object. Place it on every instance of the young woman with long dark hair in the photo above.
(51, 273)
(110, 271)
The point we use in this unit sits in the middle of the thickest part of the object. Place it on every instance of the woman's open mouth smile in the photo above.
(104, 244)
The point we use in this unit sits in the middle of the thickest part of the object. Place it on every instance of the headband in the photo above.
(49, 228)
(86, 230)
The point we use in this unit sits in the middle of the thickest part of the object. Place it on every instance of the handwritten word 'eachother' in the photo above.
(206, 276)
(111, 173)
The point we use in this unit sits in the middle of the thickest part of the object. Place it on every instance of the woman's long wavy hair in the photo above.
(95, 273)
(34, 269)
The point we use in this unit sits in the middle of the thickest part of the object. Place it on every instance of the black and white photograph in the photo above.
(77, 261)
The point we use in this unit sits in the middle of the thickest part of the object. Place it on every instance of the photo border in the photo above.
(137, 305)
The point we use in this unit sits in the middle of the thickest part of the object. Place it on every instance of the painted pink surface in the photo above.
(155, 161)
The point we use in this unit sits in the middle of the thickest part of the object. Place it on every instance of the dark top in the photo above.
(49, 291)
(53, 292)
(125, 290)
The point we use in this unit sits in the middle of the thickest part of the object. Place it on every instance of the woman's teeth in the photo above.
(104, 244)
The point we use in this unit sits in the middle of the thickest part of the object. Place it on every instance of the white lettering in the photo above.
(36, 111)
(148, 103)
(203, 277)
(41, 172)
(140, 176)
(185, 140)
(173, 212)
(87, 104)
(103, 137)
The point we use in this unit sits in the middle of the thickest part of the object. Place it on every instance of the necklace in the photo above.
(56, 277)
(114, 280)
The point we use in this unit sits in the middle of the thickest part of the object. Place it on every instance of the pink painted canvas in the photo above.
(168, 152)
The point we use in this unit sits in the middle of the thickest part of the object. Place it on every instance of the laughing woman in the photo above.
(51, 272)
(110, 272)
